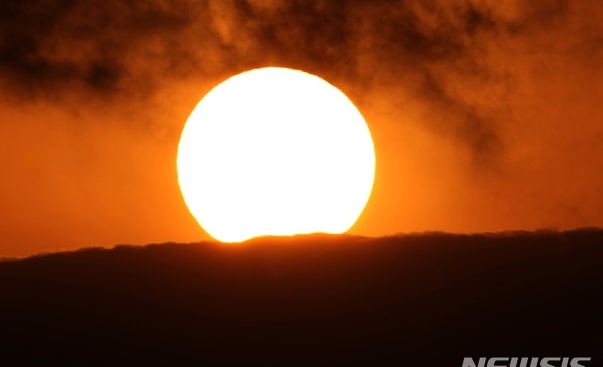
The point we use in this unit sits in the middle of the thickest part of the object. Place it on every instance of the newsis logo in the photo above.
(526, 362)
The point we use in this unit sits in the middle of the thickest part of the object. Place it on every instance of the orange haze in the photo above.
(486, 115)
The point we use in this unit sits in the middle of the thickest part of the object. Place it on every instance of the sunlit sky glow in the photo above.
(485, 115)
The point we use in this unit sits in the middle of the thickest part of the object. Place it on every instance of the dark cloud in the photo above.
(47, 46)
(439, 52)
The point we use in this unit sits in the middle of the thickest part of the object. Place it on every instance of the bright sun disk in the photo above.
(275, 151)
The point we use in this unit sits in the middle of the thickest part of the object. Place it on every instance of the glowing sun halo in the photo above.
(275, 151)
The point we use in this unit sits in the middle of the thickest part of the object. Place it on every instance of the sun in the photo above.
(275, 151)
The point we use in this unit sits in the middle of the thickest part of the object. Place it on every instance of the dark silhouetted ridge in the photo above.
(416, 300)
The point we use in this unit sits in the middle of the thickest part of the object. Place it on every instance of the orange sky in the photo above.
(485, 116)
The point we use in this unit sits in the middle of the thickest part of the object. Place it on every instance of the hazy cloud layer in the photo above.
(446, 54)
